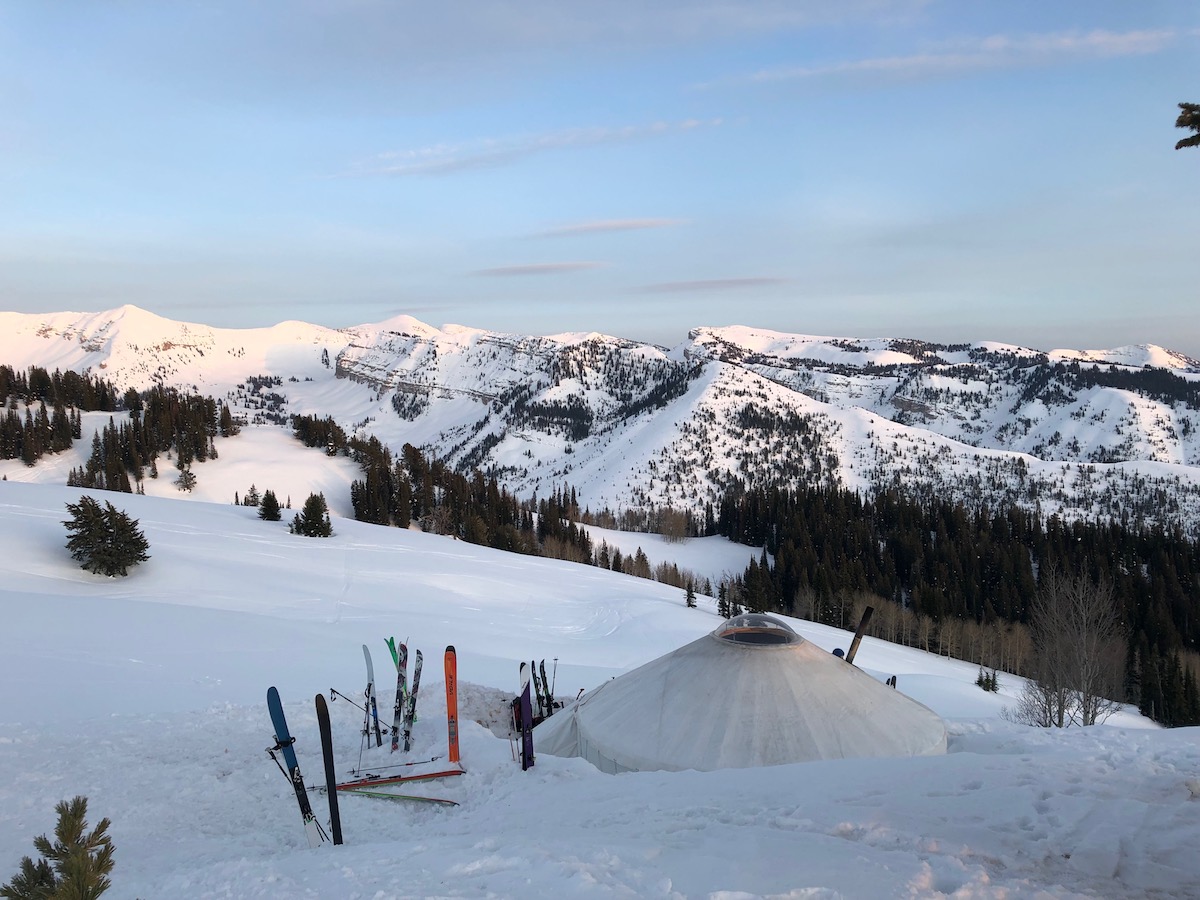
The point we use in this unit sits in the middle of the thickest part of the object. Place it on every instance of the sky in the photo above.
(952, 171)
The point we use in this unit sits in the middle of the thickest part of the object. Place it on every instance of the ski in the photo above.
(404, 765)
(284, 742)
(391, 642)
(370, 781)
(335, 818)
(410, 709)
(526, 729)
(535, 694)
(369, 703)
(384, 795)
(398, 709)
(546, 690)
(451, 663)
(543, 692)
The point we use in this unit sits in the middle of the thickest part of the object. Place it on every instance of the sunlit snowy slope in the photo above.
(147, 694)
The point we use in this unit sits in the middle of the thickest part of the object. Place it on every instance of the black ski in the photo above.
(546, 690)
(284, 743)
(536, 694)
(410, 707)
(526, 729)
(335, 818)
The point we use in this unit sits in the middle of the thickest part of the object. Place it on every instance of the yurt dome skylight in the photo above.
(757, 628)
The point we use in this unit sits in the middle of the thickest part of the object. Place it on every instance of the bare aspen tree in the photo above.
(1078, 642)
(673, 524)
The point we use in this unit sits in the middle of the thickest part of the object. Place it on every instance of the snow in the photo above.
(1137, 355)
(146, 694)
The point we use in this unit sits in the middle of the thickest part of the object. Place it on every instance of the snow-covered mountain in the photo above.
(1088, 434)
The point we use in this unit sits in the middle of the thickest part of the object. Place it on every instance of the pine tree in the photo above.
(75, 865)
(104, 541)
(1189, 117)
(313, 519)
(187, 479)
(689, 598)
(268, 509)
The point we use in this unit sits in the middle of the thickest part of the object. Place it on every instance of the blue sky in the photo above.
(952, 171)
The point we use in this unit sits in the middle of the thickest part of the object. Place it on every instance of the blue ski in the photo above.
(284, 742)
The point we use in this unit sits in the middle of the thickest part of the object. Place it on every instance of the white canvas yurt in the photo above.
(751, 693)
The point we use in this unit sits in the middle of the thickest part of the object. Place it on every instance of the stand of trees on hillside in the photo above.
(53, 402)
(157, 421)
(161, 421)
(413, 490)
(963, 582)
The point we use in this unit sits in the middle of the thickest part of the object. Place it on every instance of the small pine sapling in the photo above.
(76, 864)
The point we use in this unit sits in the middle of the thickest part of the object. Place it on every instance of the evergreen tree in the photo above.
(187, 479)
(1189, 117)
(268, 509)
(75, 865)
(313, 519)
(689, 598)
(104, 541)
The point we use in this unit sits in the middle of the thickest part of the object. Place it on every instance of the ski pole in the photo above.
(418, 762)
(334, 693)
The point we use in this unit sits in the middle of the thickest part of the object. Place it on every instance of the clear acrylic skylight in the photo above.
(757, 628)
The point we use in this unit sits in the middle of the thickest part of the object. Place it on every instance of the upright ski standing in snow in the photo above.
(451, 663)
(410, 706)
(372, 711)
(547, 690)
(335, 817)
(526, 726)
(284, 742)
(536, 693)
(401, 658)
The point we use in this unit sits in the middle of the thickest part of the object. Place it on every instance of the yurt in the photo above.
(751, 693)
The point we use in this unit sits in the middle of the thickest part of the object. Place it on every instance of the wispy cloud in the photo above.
(603, 226)
(994, 52)
(712, 284)
(552, 268)
(448, 159)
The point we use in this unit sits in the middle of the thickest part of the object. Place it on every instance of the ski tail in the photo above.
(335, 818)
(451, 663)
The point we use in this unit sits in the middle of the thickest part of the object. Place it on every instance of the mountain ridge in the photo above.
(1097, 434)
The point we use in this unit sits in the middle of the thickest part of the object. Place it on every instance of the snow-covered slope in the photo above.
(146, 694)
(1082, 434)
